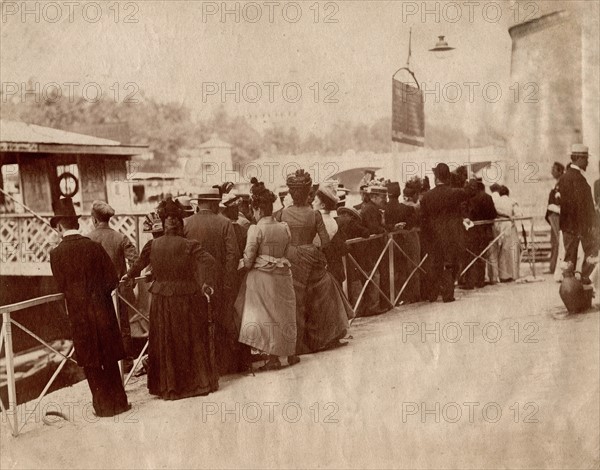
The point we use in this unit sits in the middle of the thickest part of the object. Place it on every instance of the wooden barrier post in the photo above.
(10, 373)
(391, 268)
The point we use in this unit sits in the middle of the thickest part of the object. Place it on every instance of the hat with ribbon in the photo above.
(229, 199)
(208, 194)
(152, 223)
(579, 150)
(63, 209)
(376, 190)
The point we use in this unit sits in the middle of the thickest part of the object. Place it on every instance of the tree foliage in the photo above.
(169, 128)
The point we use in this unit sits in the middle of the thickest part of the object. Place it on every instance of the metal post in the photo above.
(532, 248)
(10, 372)
(391, 268)
(345, 286)
(115, 299)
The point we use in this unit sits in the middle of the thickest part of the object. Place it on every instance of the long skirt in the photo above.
(322, 311)
(509, 252)
(266, 304)
(108, 394)
(178, 355)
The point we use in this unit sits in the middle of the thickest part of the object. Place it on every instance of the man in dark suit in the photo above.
(480, 207)
(86, 275)
(577, 214)
(121, 251)
(217, 235)
(441, 221)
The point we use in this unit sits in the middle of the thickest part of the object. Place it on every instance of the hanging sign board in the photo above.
(408, 114)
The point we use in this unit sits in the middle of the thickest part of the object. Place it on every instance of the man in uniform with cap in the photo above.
(371, 211)
(441, 225)
(122, 252)
(86, 275)
(216, 234)
(577, 215)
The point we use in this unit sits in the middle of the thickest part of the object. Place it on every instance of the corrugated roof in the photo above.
(14, 131)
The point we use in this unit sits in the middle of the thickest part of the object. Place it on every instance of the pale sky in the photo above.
(173, 52)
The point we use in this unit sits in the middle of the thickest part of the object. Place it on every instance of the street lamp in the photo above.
(440, 47)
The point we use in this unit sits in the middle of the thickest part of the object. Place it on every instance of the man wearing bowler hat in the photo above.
(86, 275)
(216, 234)
(441, 225)
(577, 215)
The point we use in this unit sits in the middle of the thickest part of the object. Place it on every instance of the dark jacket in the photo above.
(481, 207)
(179, 266)
(441, 219)
(217, 236)
(372, 218)
(396, 212)
(577, 215)
(85, 274)
(117, 245)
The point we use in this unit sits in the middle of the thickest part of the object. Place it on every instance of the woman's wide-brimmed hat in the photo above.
(185, 202)
(328, 190)
(350, 212)
(63, 209)
(208, 194)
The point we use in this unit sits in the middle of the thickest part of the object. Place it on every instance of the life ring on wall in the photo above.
(68, 184)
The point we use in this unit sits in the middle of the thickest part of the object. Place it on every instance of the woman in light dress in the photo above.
(509, 245)
(266, 301)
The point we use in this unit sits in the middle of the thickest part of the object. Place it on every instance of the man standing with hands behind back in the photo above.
(577, 214)
(85, 274)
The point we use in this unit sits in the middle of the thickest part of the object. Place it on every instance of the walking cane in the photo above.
(212, 356)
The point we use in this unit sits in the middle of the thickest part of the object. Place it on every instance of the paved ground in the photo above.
(516, 389)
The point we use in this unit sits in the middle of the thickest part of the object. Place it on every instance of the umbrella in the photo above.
(212, 356)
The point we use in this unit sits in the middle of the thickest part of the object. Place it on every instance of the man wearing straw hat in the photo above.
(86, 275)
(577, 215)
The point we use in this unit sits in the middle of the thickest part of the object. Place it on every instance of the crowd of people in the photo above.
(245, 277)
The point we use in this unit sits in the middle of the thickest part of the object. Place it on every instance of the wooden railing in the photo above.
(390, 246)
(26, 241)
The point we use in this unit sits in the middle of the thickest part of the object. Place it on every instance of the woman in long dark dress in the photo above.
(322, 312)
(178, 354)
